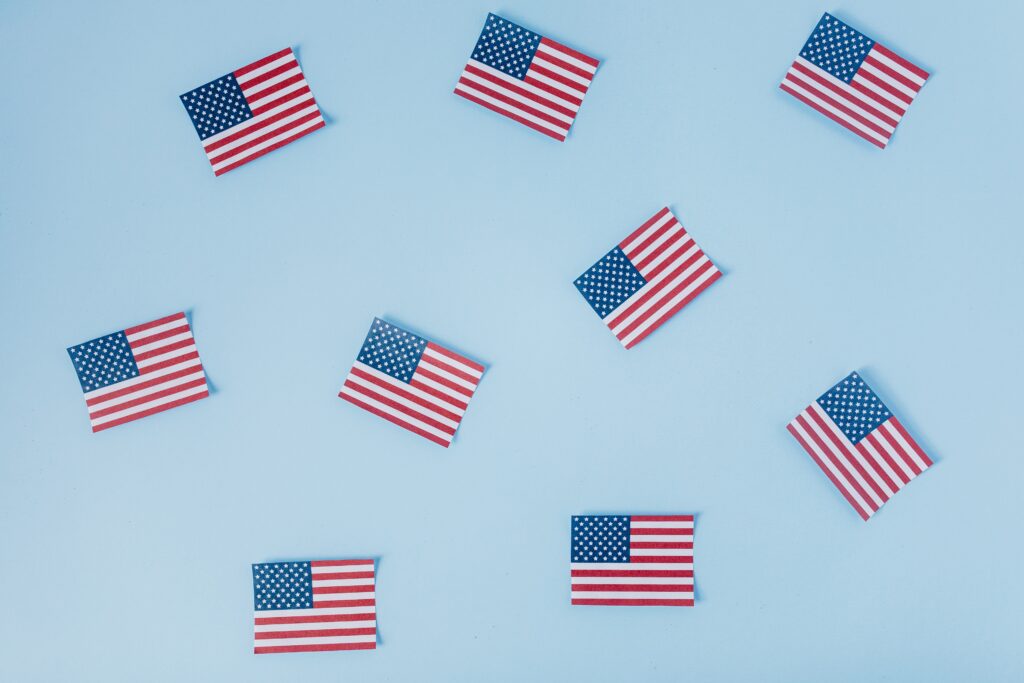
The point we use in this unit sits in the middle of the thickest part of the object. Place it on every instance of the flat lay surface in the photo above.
(127, 554)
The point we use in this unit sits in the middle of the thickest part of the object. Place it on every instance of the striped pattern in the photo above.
(170, 374)
(867, 473)
(431, 404)
(547, 99)
(343, 616)
(659, 571)
(283, 110)
(676, 270)
(871, 104)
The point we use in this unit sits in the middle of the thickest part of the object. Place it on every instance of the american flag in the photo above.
(859, 445)
(632, 560)
(139, 371)
(647, 278)
(528, 78)
(858, 83)
(253, 110)
(314, 606)
(412, 382)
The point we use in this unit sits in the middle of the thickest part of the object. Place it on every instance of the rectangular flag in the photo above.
(139, 371)
(314, 606)
(529, 78)
(859, 445)
(632, 560)
(253, 110)
(412, 382)
(858, 83)
(647, 278)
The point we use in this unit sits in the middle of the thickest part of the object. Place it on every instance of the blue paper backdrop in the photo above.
(125, 555)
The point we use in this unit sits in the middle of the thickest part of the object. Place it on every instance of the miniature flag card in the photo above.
(314, 606)
(412, 382)
(859, 444)
(853, 80)
(139, 371)
(647, 278)
(253, 110)
(529, 78)
(632, 560)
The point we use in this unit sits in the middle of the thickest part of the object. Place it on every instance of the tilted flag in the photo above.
(858, 83)
(412, 382)
(528, 78)
(314, 606)
(859, 445)
(647, 278)
(139, 371)
(632, 560)
(253, 110)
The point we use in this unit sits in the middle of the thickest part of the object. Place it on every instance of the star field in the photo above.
(854, 408)
(216, 106)
(836, 48)
(392, 350)
(282, 585)
(600, 538)
(506, 47)
(104, 361)
(609, 282)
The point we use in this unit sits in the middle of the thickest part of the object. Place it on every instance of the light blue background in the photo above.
(125, 555)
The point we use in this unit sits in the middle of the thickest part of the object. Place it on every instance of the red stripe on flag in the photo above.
(314, 648)
(177, 360)
(662, 518)
(648, 573)
(262, 62)
(675, 309)
(271, 89)
(650, 239)
(849, 98)
(575, 88)
(893, 465)
(634, 531)
(845, 449)
(632, 587)
(315, 619)
(634, 602)
(421, 371)
(902, 62)
(160, 335)
(404, 393)
(267, 75)
(821, 110)
(555, 45)
(450, 369)
(147, 398)
(235, 151)
(276, 145)
(146, 355)
(455, 357)
(151, 411)
(316, 633)
(910, 440)
(893, 74)
(390, 418)
(404, 409)
(530, 124)
(821, 465)
(368, 602)
(519, 90)
(331, 576)
(515, 104)
(639, 231)
(339, 563)
(142, 385)
(245, 132)
(156, 323)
